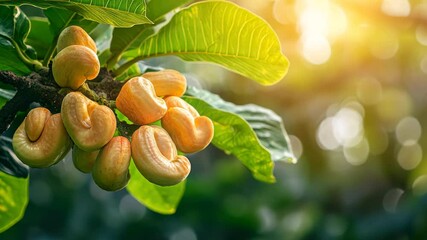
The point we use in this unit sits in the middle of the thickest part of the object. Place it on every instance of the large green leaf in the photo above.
(223, 33)
(15, 26)
(125, 38)
(40, 36)
(253, 134)
(9, 59)
(61, 18)
(13, 200)
(267, 125)
(123, 13)
(160, 199)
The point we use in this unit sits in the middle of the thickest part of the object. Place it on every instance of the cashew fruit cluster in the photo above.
(89, 128)
(156, 96)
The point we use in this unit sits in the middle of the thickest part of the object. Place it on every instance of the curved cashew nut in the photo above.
(74, 65)
(155, 156)
(137, 100)
(190, 131)
(111, 169)
(41, 140)
(75, 35)
(167, 82)
(83, 160)
(89, 124)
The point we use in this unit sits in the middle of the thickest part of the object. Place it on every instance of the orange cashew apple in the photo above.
(189, 131)
(137, 100)
(167, 82)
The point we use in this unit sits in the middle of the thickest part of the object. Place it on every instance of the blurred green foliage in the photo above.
(354, 102)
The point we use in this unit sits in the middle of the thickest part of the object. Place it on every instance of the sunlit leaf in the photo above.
(124, 38)
(223, 33)
(234, 135)
(136, 70)
(162, 200)
(266, 124)
(13, 199)
(124, 13)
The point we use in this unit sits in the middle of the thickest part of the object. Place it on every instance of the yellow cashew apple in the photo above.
(41, 140)
(83, 160)
(155, 156)
(73, 65)
(89, 124)
(75, 35)
(111, 169)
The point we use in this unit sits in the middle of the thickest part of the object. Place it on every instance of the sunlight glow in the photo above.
(358, 154)
(369, 90)
(385, 45)
(408, 131)
(410, 156)
(348, 127)
(344, 129)
(420, 185)
(396, 8)
(296, 145)
(316, 49)
(320, 23)
(421, 35)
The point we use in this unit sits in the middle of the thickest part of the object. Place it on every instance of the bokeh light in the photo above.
(355, 106)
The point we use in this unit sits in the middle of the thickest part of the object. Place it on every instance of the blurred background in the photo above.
(355, 106)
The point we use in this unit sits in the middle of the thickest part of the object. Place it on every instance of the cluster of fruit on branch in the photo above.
(89, 128)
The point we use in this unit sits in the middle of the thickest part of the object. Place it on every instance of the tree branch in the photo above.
(41, 88)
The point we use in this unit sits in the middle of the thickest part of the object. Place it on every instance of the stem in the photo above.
(31, 63)
(126, 65)
(49, 53)
(95, 97)
(52, 47)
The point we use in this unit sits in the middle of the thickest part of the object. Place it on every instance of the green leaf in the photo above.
(102, 35)
(253, 134)
(13, 200)
(267, 125)
(136, 70)
(129, 38)
(9, 162)
(223, 33)
(160, 199)
(40, 36)
(9, 59)
(59, 19)
(15, 26)
(123, 13)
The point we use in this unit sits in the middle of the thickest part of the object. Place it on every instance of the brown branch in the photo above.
(41, 88)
